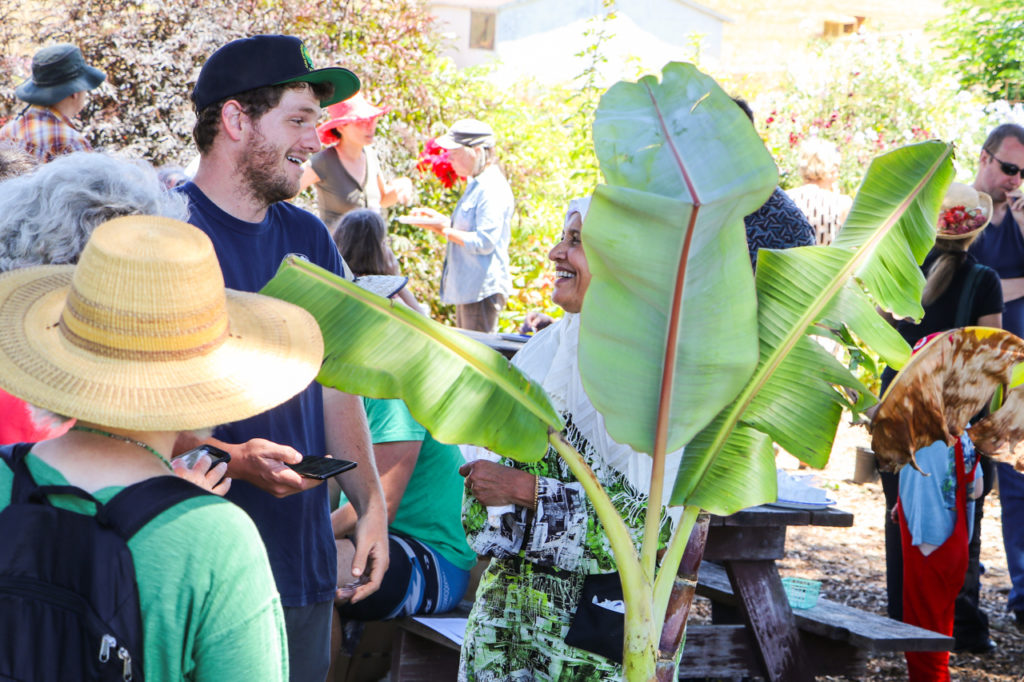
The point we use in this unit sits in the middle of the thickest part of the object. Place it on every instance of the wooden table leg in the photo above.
(768, 615)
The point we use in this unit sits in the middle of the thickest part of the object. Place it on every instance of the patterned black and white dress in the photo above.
(528, 594)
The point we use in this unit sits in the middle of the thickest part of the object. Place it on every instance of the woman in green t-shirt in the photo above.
(139, 342)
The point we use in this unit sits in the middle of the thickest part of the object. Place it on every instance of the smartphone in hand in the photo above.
(192, 456)
(321, 467)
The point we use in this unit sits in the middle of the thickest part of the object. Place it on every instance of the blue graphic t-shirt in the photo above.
(296, 529)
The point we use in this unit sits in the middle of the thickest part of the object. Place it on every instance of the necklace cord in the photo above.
(126, 439)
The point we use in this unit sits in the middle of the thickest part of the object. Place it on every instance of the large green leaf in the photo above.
(791, 396)
(459, 389)
(669, 325)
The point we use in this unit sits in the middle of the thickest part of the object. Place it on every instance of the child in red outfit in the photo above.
(933, 512)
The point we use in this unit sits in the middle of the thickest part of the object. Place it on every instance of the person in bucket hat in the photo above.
(347, 175)
(138, 342)
(56, 93)
(258, 101)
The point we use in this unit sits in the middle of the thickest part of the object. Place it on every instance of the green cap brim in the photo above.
(344, 81)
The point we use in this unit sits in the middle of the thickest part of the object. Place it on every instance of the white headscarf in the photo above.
(551, 359)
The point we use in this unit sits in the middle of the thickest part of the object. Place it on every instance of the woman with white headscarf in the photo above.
(535, 520)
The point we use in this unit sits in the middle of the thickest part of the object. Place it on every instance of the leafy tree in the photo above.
(868, 94)
(985, 42)
(152, 52)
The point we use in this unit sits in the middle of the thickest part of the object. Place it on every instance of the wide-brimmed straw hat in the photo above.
(142, 334)
(963, 198)
(355, 108)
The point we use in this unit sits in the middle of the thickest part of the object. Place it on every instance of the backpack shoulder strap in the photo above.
(14, 457)
(140, 503)
(126, 512)
(966, 302)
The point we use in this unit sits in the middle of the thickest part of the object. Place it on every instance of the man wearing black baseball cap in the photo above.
(56, 93)
(257, 102)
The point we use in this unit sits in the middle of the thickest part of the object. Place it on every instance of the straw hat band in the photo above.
(117, 332)
(173, 309)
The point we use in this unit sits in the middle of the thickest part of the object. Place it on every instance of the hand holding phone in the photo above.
(191, 457)
(321, 467)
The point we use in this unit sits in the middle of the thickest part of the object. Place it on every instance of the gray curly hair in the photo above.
(47, 216)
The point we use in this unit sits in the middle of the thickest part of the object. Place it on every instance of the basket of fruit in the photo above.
(965, 211)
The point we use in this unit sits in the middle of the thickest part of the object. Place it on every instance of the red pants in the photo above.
(931, 583)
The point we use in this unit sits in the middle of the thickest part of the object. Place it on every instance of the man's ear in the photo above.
(233, 119)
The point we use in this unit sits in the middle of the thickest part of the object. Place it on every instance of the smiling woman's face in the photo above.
(572, 275)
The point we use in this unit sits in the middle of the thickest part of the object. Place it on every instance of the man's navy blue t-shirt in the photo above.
(296, 529)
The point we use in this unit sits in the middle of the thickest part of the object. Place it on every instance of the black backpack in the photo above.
(69, 604)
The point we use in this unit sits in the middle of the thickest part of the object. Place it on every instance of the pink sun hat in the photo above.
(353, 109)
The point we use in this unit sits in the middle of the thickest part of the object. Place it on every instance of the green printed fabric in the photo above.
(528, 594)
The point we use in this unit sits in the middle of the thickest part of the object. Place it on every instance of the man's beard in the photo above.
(263, 176)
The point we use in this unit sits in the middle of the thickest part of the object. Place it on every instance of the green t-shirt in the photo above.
(210, 609)
(431, 509)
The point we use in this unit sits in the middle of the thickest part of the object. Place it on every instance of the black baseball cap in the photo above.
(259, 61)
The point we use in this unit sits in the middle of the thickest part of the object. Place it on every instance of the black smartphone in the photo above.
(321, 467)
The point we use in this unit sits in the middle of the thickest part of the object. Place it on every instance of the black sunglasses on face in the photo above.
(1008, 168)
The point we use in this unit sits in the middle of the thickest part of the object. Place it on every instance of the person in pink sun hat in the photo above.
(347, 174)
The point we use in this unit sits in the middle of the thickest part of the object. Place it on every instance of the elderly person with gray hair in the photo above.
(825, 207)
(46, 218)
(476, 274)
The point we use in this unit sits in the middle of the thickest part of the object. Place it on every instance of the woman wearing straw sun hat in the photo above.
(139, 342)
(347, 174)
(958, 292)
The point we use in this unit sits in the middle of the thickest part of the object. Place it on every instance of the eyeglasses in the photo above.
(1008, 168)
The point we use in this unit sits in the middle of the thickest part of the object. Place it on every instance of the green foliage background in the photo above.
(985, 40)
(867, 93)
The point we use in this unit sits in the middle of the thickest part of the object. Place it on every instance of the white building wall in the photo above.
(540, 38)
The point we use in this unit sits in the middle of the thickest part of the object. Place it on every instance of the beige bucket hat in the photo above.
(142, 334)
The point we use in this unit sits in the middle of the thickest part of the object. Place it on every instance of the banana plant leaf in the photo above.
(791, 397)
(665, 243)
(457, 388)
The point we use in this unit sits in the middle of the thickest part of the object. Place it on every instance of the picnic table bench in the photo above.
(754, 631)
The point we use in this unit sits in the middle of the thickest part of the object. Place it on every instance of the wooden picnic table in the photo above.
(741, 577)
(747, 544)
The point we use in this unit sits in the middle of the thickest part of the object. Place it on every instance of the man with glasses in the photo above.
(1001, 247)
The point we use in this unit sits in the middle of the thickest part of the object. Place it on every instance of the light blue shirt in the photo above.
(479, 267)
(929, 502)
